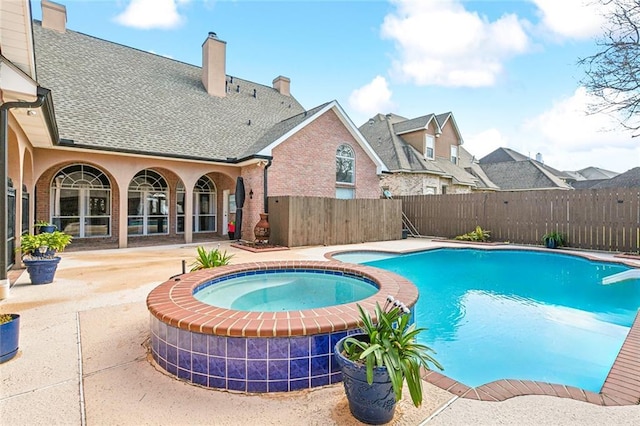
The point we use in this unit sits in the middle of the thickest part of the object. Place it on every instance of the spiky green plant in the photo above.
(391, 343)
(4, 318)
(210, 259)
(478, 234)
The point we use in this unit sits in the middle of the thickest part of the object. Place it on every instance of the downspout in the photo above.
(264, 180)
(4, 137)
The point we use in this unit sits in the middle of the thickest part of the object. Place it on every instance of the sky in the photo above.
(507, 70)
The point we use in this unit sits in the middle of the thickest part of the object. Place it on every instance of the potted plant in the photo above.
(39, 254)
(376, 363)
(231, 230)
(9, 336)
(553, 239)
(44, 226)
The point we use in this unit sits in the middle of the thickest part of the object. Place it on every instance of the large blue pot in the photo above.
(41, 271)
(9, 338)
(370, 403)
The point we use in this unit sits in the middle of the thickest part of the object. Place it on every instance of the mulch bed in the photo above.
(257, 248)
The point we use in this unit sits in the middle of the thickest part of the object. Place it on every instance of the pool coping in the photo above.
(173, 303)
(621, 387)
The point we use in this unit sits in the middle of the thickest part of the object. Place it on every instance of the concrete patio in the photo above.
(83, 358)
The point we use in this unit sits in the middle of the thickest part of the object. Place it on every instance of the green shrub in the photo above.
(478, 235)
(210, 259)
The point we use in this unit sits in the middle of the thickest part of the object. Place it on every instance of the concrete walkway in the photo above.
(83, 359)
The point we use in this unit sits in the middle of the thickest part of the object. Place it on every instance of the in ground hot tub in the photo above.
(269, 350)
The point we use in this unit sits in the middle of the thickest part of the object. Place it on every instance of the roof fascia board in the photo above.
(380, 167)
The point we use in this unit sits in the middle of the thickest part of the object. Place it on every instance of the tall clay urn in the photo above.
(261, 230)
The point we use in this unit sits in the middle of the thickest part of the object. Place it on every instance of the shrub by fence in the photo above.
(602, 219)
(303, 221)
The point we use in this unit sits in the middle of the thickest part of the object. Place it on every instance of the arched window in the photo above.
(148, 204)
(81, 201)
(345, 171)
(204, 206)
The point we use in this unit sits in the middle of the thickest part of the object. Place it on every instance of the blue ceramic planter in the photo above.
(9, 338)
(373, 404)
(41, 271)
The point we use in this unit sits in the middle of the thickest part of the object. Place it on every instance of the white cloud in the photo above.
(576, 19)
(485, 142)
(372, 98)
(571, 139)
(152, 14)
(441, 43)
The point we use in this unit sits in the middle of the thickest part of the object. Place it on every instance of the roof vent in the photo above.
(254, 93)
(213, 35)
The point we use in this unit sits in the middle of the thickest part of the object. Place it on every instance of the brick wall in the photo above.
(305, 164)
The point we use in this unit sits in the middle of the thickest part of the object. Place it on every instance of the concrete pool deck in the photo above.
(83, 358)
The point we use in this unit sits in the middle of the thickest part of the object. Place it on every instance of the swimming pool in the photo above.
(528, 315)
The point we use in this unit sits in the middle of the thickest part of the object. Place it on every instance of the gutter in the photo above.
(4, 137)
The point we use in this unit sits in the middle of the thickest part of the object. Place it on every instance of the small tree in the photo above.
(613, 74)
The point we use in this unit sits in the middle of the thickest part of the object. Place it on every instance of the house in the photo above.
(423, 155)
(512, 171)
(628, 179)
(122, 147)
(589, 177)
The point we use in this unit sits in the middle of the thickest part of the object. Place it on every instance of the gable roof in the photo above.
(283, 130)
(597, 173)
(117, 98)
(383, 133)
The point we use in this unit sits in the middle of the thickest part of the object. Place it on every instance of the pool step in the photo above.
(631, 274)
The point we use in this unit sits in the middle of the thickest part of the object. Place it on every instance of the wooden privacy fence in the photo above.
(595, 219)
(303, 221)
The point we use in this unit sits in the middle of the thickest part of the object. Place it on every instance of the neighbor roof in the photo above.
(114, 97)
(628, 179)
(518, 175)
(501, 155)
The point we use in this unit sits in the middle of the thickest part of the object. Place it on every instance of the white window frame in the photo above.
(454, 154)
(85, 180)
(429, 144)
(344, 155)
(150, 187)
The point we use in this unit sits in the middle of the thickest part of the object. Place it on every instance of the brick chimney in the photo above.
(54, 16)
(214, 74)
(282, 84)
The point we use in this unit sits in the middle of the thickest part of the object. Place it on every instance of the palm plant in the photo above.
(391, 342)
(210, 259)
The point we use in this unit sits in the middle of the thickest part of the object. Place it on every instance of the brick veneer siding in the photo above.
(415, 184)
(305, 164)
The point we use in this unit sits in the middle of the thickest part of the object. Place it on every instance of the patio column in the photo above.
(188, 213)
(123, 228)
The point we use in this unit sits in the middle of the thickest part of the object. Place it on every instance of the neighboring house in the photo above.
(424, 155)
(589, 177)
(628, 179)
(512, 171)
(141, 149)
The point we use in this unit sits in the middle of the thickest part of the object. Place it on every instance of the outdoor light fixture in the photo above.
(251, 194)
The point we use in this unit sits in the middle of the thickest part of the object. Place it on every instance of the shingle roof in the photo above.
(628, 179)
(501, 155)
(597, 173)
(471, 166)
(526, 174)
(113, 97)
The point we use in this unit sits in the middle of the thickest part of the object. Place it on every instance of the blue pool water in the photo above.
(519, 314)
(286, 291)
